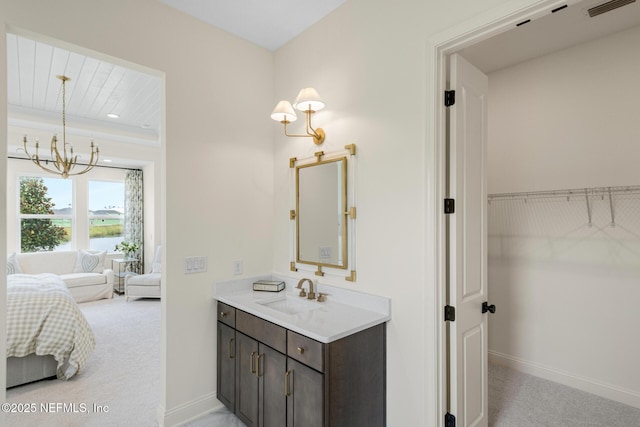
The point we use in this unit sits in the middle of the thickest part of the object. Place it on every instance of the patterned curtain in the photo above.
(133, 214)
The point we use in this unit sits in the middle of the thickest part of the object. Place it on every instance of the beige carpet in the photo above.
(517, 399)
(120, 386)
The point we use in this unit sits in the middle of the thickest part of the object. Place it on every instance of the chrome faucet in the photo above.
(303, 293)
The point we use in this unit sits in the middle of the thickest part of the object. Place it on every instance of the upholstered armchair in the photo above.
(145, 285)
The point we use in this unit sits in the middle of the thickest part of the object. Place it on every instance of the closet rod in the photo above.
(578, 192)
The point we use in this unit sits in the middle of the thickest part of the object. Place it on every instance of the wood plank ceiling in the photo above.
(96, 88)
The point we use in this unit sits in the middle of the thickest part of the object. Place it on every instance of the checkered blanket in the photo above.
(43, 318)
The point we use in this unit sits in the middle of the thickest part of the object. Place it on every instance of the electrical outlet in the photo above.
(237, 267)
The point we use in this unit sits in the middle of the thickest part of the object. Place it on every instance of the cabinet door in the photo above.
(246, 379)
(305, 396)
(271, 368)
(226, 366)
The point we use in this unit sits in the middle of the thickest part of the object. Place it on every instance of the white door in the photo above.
(468, 244)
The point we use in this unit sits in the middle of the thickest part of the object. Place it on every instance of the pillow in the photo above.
(88, 262)
(12, 265)
(156, 267)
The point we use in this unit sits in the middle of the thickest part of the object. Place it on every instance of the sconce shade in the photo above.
(308, 100)
(284, 112)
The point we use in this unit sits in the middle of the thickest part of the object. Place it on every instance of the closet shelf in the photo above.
(586, 193)
(576, 192)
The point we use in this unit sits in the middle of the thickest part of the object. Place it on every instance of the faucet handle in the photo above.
(322, 297)
(303, 293)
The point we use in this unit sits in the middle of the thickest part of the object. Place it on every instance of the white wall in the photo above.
(217, 152)
(567, 293)
(567, 120)
(356, 71)
(367, 61)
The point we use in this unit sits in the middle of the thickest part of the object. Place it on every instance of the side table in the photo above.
(121, 267)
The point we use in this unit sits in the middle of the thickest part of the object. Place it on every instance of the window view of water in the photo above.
(98, 244)
(105, 243)
(47, 215)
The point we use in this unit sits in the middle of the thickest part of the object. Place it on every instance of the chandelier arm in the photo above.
(60, 167)
(93, 161)
(96, 154)
(87, 169)
(59, 159)
(34, 157)
(36, 162)
(24, 143)
(53, 147)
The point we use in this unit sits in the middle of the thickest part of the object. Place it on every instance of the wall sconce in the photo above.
(308, 101)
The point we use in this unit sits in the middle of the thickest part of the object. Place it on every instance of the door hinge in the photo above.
(449, 420)
(449, 313)
(449, 206)
(449, 98)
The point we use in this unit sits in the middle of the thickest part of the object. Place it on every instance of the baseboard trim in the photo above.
(602, 389)
(188, 411)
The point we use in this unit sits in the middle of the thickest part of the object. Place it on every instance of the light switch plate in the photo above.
(195, 264)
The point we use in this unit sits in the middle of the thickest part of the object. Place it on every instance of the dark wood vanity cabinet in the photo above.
(226, 365)
(305, 401)
(226, 352)
(259, 400)
(283, 378)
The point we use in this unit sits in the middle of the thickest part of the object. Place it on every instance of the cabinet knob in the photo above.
(223, 314)
(300, 350)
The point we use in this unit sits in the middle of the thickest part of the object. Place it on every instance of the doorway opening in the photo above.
(99, 85)
(463, 40)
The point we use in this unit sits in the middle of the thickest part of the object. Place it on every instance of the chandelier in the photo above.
(63, 163)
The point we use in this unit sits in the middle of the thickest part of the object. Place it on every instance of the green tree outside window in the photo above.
(38, 234)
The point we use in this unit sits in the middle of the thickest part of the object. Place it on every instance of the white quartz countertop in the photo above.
(345, 312)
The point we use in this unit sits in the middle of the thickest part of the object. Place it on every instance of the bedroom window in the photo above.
(106, 214)
(76, 213)
(46, 214)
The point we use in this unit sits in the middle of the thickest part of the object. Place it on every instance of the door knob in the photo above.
(490, 308)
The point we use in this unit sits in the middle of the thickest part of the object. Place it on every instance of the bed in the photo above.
(45, 329)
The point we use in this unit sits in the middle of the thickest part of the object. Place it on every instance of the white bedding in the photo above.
(43, 318)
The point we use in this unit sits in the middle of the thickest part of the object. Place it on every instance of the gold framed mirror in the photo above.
(323, 218)
(321, 207)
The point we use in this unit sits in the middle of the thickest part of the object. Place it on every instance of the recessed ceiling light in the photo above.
(106, 160)
(113, 115)
(145, 126)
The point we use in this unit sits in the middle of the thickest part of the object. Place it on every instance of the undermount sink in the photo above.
(290, 305)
